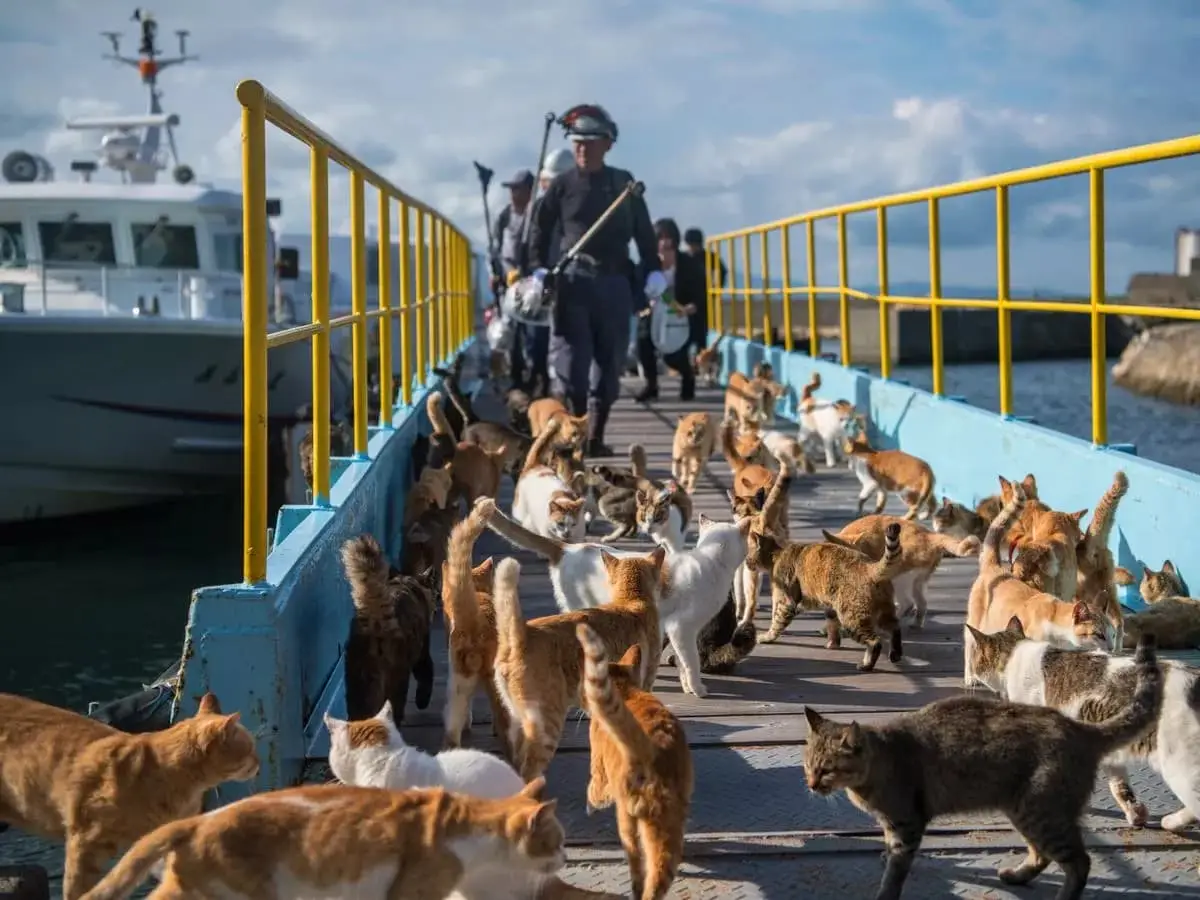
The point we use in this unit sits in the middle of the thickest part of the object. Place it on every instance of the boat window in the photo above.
(74, 241)
(227, 248)
(164, 246)
(12, 245)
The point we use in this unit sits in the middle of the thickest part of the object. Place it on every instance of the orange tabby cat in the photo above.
(442, 440)
(891, 471)
(476, 471)
(998, 595)
(539, 665)
(1098, 574)
(640, 761)
(571, 429)
(752, 400)
(64, 776)
(708, 362)
(432, 491)
(339, 841)
(471, 626)
(695, 440)
(749, 478)
(1047, 553)
(921, 552)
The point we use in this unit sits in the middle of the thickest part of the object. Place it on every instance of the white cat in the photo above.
(547, 506)
(698, 580)
(1028, 671)
(826, 421)
(397, 765)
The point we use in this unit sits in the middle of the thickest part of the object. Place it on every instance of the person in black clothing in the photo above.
(595, 298)
(686, 285)
(693, 240)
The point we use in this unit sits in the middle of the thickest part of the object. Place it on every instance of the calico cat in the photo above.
(372, 753)
(708, 362)
(695, 440)
(640, 762)
(956, 520)
(997, 595)
(825, 422)
(855, 591)
(65, 777)
(389, 633)
(663, 514)
(1092, 686)
(1098, 574)
(539, 664)
(443, 440)
(571, 429)
(338, 841)
(545, 502)
(783, 446)
(891, 471)
(976, 754)
(471, 631)
(921, 552)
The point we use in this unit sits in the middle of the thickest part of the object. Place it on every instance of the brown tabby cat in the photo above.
(921, 552)
(695, 440)
(339, 841)
(891, 471)
(432, 491)
(539, 665)
(640, 762)
(854, 590)
(389, 633)
(1162, 584)
(1098, 574)
(443, 440)
(571, 429)
(977, 754)
(65, 777)
(1170, 615)
(471, 626)
(708, 362)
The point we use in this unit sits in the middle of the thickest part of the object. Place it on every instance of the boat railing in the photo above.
(434, 312)
(733, 250)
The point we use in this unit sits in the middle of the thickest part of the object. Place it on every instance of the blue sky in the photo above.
(732, 111)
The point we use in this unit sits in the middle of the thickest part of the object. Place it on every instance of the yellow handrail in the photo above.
(1095, 307)
(445, 289)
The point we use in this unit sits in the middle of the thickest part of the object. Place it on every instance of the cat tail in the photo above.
(925, 492)
(1100, 527)
(1143, 710)
(779, 490)
(367, 570)
(637, 461)
(452, 378)
(459, 603)
(893, 554)
(511, 631)
(721, 660)
(516, 533)
(812, 387)
(139, 861)
(604, 703)
(534, 456)
(968, 546)
(729, 448)
(989, 554)
(437, 416)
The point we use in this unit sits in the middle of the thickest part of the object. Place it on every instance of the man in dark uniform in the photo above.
(595, 297)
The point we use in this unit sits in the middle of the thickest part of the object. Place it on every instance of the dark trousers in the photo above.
(532, 343)
(591, 324)
(647, 355)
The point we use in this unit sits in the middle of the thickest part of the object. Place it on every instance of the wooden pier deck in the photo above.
(755, 830)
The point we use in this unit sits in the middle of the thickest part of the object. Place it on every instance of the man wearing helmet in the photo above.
(595, 300)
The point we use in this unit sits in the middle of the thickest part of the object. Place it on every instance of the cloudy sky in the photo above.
(732, 111)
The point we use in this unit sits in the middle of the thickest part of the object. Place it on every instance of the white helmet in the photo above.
(557, 162)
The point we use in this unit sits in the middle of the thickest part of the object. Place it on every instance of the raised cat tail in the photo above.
(452, 378)
(437, 416)
(889, 563)
(779, 490)
(989, 554)
(603, 701)
(637, 461)
(1101, 525)
(534, 457)
(367, 570)
(515, 533)
(458, 588)
(1142, 712)
(139, 861)
(812, 387)
(729, 448)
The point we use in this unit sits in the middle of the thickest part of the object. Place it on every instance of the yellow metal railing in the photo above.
(438, 292)
(722, 247)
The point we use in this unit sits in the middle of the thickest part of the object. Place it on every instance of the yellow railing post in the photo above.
(785, 256)
(712, 275)
(765, 276)
(358, 306)
(935, 293)
(747, 293)
(447, 300)
(1003, 313)
(254, 344)
(734, 309)
(814, 325)
(435, 291)
(843, 283)
(319, 173)
(422, 297)
(727, 288)
(885, 331)
(406, 303)
(387, 394)
(1099, 342)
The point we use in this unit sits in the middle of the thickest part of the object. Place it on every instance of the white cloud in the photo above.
(732, 111)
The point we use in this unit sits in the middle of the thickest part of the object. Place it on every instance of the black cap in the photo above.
(521, 178)
(693, 236)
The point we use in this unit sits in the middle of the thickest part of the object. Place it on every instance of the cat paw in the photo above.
(1018, 876)
(833, 645)
(1138, 816)
(1177, 821)
(699, 690)
(866, 667)
(768, 638)
(670, 660)
(895, 655)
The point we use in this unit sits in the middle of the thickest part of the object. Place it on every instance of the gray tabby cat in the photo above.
(977, 754)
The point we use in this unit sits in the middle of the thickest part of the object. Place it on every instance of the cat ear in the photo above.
(815, 719)
(417, 534)
(632, 657)
(1080, 613)
(658, 555)
(1030, 485)
(534, 789)
(1077, 516)
(608, 559)
(1015, 627)
(542, 816)
(1005, 488)
(233, 721)
(385, 712)
(1168, 567)
(971, 635)
(1123, 576)
(209, 705)
(852, 737)
(703, 520)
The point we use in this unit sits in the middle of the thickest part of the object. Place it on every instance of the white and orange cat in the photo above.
(333, 841)
(542, 501)
(881, 472)
(66, 777)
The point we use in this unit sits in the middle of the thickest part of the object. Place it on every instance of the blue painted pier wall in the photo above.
(969, 447)
(273, 651)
